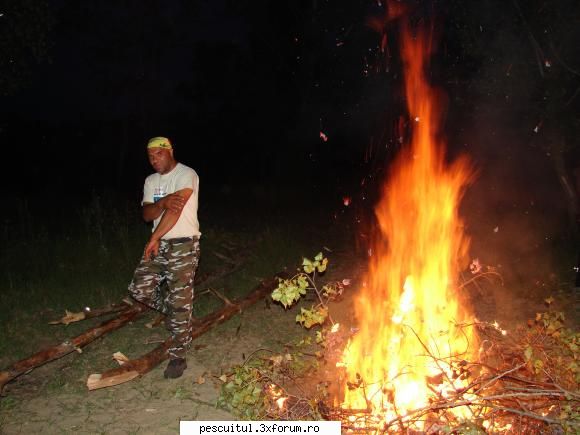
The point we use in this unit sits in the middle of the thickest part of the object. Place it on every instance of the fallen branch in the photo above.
(222, 297)
(69, 346)
(127, 311)
(135, 368)
(87, 313)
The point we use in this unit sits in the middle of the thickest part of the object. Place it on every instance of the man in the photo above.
(170, 198)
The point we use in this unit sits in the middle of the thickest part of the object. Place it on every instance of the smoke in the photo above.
(515, 211)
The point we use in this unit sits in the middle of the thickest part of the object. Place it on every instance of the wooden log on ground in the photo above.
(88, 313)
(69, 346)
(125, 311)
(203, 278)
(138, 367)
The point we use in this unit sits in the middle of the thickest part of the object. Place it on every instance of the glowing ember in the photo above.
(408, 311)
(275, 394)
(280, 402)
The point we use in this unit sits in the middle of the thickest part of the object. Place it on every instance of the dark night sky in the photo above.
(120, 72)
(244, 89)
(238, 86)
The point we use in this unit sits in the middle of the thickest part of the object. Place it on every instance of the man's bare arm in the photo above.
(167, 222)
(174, 202)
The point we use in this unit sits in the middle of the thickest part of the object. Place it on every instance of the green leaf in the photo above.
(319, 256)
(302, 282)
(319, 337)
(237, 398)
(322, 266)
(329, 291)
(307, 265)
(289, 291)
(277, 294)
(309, 318)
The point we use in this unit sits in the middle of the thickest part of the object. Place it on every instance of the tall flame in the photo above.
(408, 311)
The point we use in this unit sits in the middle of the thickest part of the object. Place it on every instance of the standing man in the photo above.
(170, 198)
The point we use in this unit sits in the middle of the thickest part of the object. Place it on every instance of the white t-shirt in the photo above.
(157, 186)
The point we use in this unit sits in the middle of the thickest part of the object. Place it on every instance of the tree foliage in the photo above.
(289, 291)
(25, 41)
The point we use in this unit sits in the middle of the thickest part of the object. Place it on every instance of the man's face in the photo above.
(161, 159)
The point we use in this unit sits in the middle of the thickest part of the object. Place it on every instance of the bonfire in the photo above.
(421, 362)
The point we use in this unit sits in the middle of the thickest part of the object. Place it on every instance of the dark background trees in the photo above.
(245, 88)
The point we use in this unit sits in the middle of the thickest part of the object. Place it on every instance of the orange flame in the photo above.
(409, 310)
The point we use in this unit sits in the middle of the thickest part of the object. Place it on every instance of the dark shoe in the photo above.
(175, 368)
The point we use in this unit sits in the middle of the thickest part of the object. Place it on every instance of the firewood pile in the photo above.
(524, 382)
(521, 381)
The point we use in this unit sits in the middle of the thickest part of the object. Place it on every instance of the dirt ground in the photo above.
(149, 405)
(153, 405)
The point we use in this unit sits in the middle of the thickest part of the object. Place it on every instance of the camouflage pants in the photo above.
(165, 284)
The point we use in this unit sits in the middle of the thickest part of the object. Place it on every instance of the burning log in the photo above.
(69, 346)
(138, 367)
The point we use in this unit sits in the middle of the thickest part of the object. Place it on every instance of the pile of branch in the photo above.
(126, 312)
(526, 383)
(522, 382)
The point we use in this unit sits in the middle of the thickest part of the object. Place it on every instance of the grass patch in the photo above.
(87, 258)
(84, 259)
(8, 403)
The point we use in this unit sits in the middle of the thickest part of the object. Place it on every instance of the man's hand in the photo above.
(151, 249)
(173, 202)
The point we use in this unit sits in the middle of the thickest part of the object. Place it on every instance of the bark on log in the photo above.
(68, 346)
(147, 362)
(126, 313)
(203, 278)
(87, 313)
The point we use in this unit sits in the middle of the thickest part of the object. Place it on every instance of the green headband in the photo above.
(159, 142)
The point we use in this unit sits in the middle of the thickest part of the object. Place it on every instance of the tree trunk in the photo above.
(146, 363)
